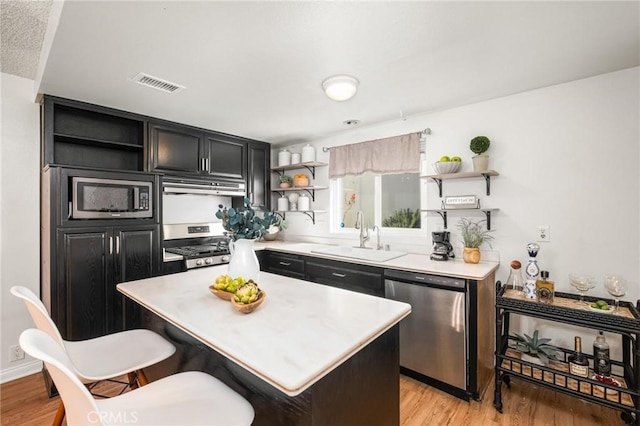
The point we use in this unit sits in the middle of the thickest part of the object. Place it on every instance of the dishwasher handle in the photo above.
(452, 283)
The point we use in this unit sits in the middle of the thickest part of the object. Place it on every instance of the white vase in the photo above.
(480, 162)
(244, 262)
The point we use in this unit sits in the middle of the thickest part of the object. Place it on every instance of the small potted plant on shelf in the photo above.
(285, 181)
(535, 350)
(473, 236)
(479, 145)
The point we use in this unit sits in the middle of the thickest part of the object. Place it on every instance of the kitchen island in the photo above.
(310, 354)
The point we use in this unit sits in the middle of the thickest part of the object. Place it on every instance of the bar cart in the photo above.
(566, 308)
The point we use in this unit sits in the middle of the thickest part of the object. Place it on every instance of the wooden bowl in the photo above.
(225, 295)
(250, 307)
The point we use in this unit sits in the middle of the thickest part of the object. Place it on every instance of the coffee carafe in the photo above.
(442, 248)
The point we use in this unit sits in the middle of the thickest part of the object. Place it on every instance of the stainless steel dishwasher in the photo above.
(433, 339)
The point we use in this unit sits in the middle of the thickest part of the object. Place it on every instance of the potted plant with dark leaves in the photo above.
(479, 145)
(534, 349)
(244, 226)
(473, 236)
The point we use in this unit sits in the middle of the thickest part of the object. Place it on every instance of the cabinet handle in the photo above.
(335, 274)
(285, 264)
(206, 164)
(117, 245)
(202, 164)
(110, 245)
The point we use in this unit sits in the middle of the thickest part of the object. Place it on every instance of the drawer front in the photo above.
(336, 275)
(278, 262)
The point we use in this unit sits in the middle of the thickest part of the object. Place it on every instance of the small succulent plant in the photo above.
(536, 347)
(286, 179)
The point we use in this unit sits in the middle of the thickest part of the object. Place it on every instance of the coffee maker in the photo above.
(442, 248)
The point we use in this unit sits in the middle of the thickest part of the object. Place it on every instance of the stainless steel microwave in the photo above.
(95, 198)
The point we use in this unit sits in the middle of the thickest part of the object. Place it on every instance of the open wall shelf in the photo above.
(443, 214)
(464, 175)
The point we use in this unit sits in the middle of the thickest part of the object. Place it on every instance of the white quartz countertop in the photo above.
(410, 262)
(299, 334)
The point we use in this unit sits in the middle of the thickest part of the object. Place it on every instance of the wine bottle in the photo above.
(578, 362)
(601, 360)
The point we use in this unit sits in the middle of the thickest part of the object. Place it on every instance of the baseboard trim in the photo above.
(20, 371)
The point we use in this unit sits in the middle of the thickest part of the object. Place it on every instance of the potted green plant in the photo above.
(285, 181)
(479, 145)
(473, 236)
(533, 349)
(245, 226)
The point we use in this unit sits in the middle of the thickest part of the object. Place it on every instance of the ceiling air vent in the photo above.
(157, 83)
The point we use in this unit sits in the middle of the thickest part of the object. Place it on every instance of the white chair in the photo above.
(101, 358)
(191, 398)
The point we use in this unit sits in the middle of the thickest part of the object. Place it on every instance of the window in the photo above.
(388, 201)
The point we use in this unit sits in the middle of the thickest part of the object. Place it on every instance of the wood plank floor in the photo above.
(24, 402)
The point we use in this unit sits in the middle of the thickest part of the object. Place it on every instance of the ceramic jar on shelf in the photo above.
(284, 157)
(308, 154)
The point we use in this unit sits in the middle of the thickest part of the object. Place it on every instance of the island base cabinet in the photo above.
(364, 390)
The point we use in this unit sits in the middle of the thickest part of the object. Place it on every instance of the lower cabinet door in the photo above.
(84, 300)
(136, 257)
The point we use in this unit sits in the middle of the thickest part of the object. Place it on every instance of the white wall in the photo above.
(19, 215)
(567, 157)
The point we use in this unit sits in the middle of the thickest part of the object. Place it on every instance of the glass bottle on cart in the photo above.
(532, 271)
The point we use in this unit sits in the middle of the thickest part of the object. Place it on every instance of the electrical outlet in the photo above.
(544, 233)
(15, 353)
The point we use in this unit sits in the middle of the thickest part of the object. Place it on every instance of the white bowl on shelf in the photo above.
(446, 167)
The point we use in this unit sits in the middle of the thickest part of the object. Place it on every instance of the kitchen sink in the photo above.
(360, 253)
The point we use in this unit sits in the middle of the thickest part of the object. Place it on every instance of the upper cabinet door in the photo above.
(176, 149)
(227, 157)
(259, 180)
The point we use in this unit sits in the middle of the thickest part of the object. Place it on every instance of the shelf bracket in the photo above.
(487, 179)
(311, 192)
(439, 183)
(443, 215)
(312, 170)
(310, 214)
(487, 213)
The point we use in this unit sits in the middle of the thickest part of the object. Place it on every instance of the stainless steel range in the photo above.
(199, 244)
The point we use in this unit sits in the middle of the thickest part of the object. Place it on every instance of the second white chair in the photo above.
(103, 357)
(191, 398)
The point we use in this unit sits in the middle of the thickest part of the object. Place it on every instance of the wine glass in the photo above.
(582, 283)
(615, 285)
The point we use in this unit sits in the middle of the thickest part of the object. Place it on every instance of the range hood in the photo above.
(173, 185)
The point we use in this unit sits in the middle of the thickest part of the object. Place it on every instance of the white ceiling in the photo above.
(255, 68)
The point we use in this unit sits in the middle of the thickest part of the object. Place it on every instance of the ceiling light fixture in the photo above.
(340, 87)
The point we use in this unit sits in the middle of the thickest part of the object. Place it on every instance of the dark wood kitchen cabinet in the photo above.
(259, 179)
(176, 149)
(288, 265)
(349, 276)
(80, 134)
(90, 263)
(187, 150)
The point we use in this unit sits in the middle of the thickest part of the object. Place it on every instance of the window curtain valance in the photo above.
(398, 154)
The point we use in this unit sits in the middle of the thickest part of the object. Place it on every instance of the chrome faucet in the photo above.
(378, 245)
(364, 232)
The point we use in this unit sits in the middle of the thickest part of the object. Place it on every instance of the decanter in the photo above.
(532, 271)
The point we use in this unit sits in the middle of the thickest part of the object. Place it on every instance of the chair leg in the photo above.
(142, 378)
(57, 421)
(133, 382)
